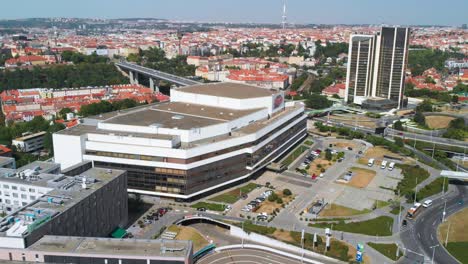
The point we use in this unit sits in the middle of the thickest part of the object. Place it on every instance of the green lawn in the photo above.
(412, 175)
(380, 226)
(432, 188)
(308, 142)
(233, 196)
(396, 210)
(209, 206)
(250, 227)
(458, 250)
(388, 250)
(294, 155)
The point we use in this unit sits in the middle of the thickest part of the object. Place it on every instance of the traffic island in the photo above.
(388, 250)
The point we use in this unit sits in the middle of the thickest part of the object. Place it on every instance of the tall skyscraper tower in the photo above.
(376, 68)
(284, 18)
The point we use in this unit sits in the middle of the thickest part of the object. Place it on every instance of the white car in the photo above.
(427, 203)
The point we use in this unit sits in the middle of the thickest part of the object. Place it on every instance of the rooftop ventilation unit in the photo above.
(177, 117)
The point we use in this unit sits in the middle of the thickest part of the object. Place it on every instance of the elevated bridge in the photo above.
(135, 70)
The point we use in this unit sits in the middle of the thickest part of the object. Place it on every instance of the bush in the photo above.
(279, 200)
(272, 197)
(287, 192)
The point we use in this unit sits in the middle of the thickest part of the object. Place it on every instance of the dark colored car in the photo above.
(201, 209)
(404, 223)
(350, 148)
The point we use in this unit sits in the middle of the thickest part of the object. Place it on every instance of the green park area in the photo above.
(234, 195)
(388, 250)
(380, 226)
(209, 206)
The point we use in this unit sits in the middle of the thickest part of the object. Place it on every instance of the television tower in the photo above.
(284, 15)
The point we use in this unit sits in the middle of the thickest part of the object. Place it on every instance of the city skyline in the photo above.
(261, 11)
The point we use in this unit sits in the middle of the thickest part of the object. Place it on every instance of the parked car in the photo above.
(201, 209)
(350, 148)
(260, 198)
(262, 217)
(245, 209)
(404, 223)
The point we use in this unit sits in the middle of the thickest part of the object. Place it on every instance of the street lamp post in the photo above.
(443, 213)
(433, 252)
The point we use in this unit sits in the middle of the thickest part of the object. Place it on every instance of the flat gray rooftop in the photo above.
(85, 129)
(153, 117)
(112, 246)
(231, 90)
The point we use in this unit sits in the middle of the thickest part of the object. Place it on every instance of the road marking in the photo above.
(419, 235)
(432, 238)
(435, 221)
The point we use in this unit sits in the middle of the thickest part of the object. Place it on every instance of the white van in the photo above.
(427, 203)
(391, 166)
(370, 163)
(384, 164)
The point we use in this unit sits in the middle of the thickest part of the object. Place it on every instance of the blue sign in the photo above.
(359, 256)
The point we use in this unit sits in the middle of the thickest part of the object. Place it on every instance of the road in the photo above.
(406, 134)
(254, 256)
(422, 235)
(157, 74)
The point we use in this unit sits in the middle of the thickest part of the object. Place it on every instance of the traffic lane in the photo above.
(247, 256)
(426, 226)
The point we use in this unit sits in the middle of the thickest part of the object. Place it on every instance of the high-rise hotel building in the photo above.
(208, 136)
(376, 68)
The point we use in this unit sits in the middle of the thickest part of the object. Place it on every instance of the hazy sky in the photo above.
(398, 12)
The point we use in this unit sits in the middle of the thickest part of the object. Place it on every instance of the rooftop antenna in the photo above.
(284, 15)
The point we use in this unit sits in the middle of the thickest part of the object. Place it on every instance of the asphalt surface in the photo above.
(406, 134)
(254, 256)
(421, 236)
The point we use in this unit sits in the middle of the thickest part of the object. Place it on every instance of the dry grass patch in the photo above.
(458, 227)
(283, 235)
(334, 210)
(352, 252)
(345, 144)
(318, 164)
(362, 177)
(189, 233)
(269, 207)
(436, 122)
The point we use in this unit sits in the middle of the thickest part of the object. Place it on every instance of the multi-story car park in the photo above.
(208, 136)
(85, 250)
(93, 203)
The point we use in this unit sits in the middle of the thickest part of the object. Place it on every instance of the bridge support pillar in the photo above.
(133, 77)
(153, 87)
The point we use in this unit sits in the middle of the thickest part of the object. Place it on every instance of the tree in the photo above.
(419, 118)
(398, 125)
(64, 111)
(328, 155)
(458, 123)
(317, 101)
(399, 142)
(272, 197)
(457, 134)
(287, 192)
(425, 106)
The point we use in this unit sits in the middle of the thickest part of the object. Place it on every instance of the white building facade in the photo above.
(207, 137)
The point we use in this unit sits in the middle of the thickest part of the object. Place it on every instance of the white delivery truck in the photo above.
(384, 165)
(370, 163)
(391, 166)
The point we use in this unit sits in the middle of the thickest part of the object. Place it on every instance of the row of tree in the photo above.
(77, 58)
(106, 106)
(331, 50)
(60, 76)
(421, 60)
(437, 95)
